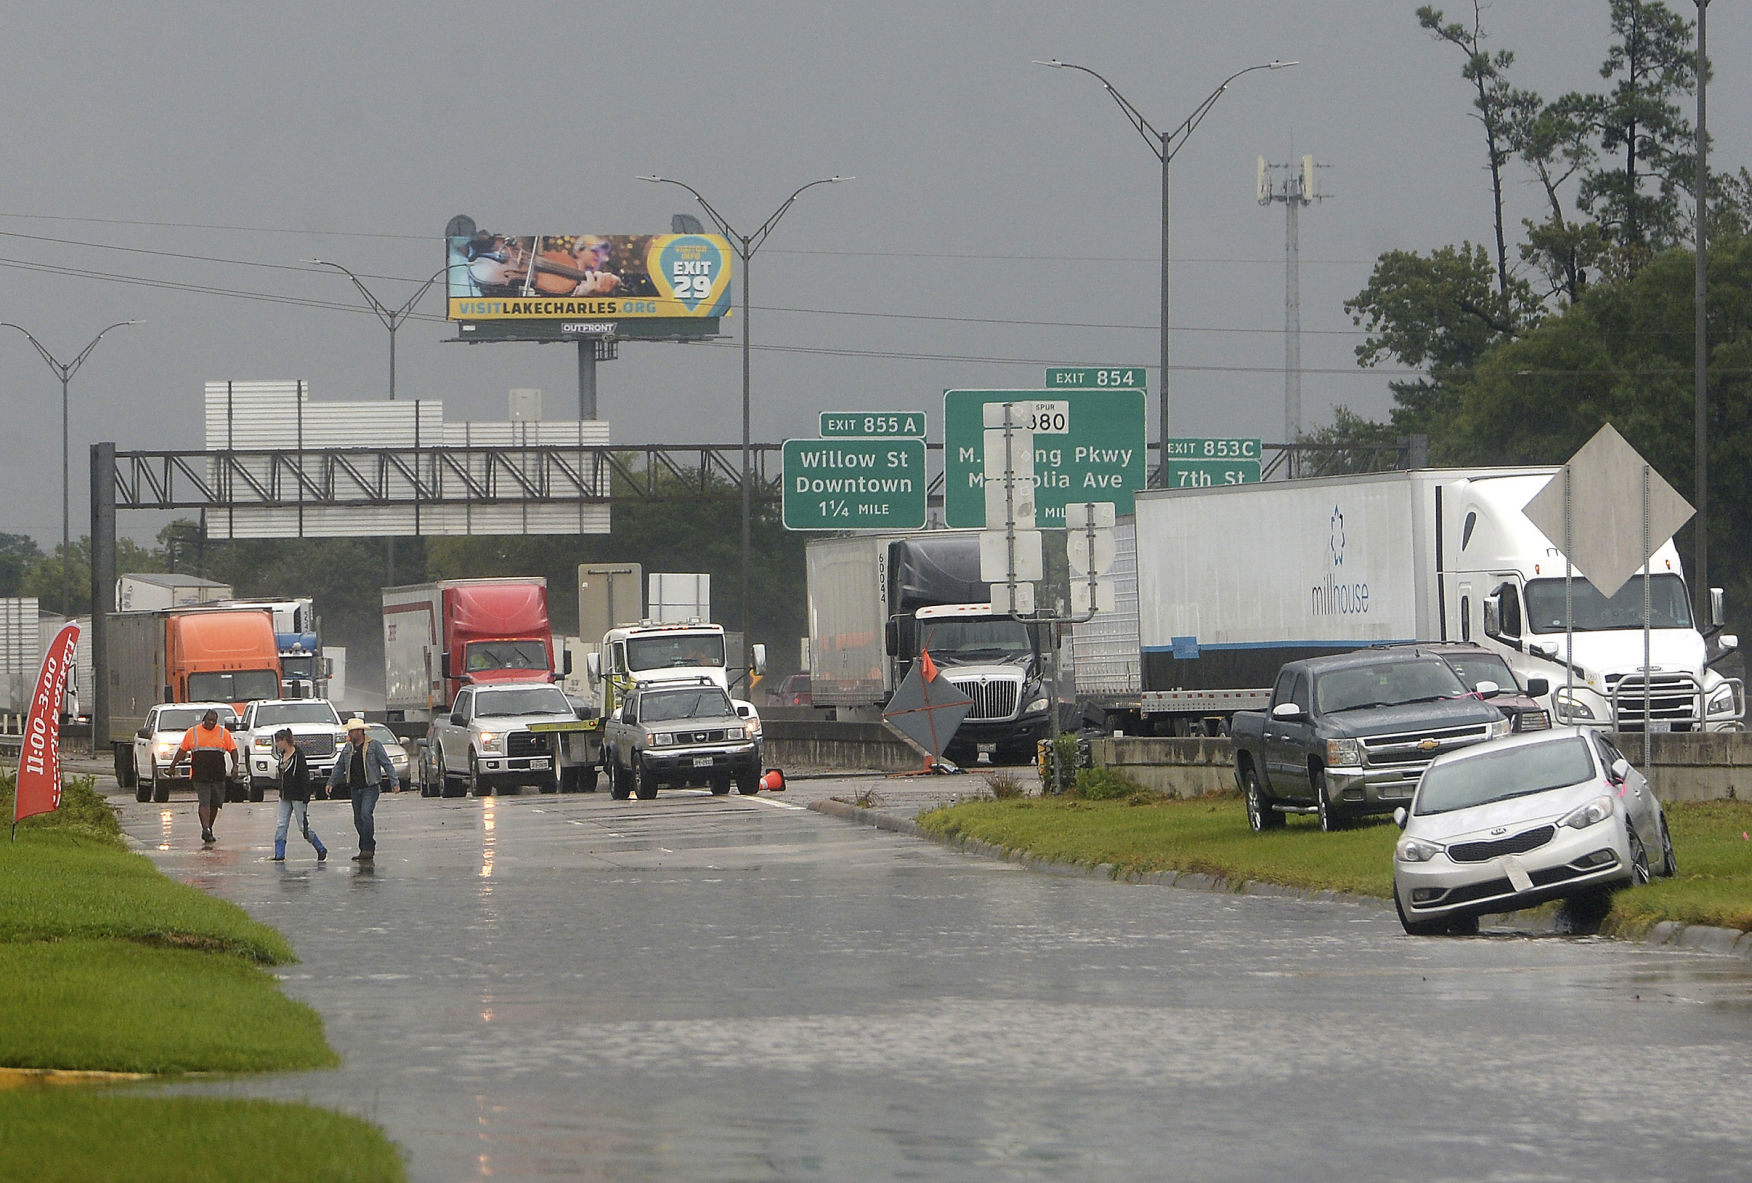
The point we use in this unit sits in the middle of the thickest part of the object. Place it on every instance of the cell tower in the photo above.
(1295, 189)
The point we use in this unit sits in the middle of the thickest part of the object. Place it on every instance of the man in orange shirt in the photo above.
(212, 756)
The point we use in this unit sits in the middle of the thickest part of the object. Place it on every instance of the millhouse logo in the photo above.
(1329, 597)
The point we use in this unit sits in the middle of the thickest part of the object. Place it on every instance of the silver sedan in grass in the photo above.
(1505, 825)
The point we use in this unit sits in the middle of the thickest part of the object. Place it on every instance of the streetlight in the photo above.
(391, 320)
(750, 243)
(1700, 358)
(66, 370)
(1165, 145)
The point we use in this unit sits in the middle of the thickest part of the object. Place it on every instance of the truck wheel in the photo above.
(720, 785)
(142, 790)
(476, 786)
(644, 788)
(617, 782)
(258, 790)
(235, 792)
(587, 779)
(1260, 814)
(548, 784)
(1330, 818)
(748, 783)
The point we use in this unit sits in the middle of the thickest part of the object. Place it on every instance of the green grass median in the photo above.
(1142, 833)
(107, 965)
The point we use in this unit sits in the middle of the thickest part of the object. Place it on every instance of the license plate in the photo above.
(1517, 873)
(539, 762)
(1660, 726)
(702, 762)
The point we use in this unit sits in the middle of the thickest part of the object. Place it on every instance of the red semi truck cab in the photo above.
(439, 637)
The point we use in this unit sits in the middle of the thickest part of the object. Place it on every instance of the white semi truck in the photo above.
(1233, 581)
(653, 651)
(878, 601)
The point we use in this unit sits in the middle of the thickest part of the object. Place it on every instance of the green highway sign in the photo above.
(854, 484)
(1088, 446)
(1213, 449)
(1094, 377)
(894, 424)
(1198, 474)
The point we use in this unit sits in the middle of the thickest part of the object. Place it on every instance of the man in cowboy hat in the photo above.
(364, 768)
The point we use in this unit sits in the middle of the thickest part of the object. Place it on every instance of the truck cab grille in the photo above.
(992, 700)
(1675, 702)
(525, 743)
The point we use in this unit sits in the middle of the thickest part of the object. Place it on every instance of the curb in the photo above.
(1539, 922)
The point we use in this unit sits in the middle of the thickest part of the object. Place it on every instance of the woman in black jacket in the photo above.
(294, 796)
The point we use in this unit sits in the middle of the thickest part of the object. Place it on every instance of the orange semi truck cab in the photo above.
(187, 654)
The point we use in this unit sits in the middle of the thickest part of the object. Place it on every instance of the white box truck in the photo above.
(1233, 581)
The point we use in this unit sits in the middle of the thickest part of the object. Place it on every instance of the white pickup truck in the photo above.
(316, 730)
(501, 736)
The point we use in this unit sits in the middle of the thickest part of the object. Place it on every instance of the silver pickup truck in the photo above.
(673, 733)
(502, 736)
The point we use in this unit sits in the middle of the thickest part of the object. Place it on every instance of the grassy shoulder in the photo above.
(64, 1135)
(108, 965)
(1141, 832)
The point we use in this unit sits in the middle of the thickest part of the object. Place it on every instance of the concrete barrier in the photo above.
(819, 744)
(1709, 766)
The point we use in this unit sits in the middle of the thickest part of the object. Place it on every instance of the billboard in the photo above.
(588, 277)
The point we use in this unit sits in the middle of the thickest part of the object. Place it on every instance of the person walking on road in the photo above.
(294, 797)
(364, 768)
(212, 757)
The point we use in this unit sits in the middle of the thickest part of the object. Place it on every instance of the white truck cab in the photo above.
(655, 651)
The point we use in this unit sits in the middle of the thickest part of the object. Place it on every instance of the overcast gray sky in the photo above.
(1003, 216)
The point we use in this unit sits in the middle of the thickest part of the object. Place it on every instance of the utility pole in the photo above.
(1296, 190)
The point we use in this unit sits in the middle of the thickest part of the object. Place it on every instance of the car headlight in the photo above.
(1036, 706)
(490, 741)
(752, 730)
(1722, 701)
(263, 741)
(662, 739)
(1416, 850)
(166, 750)
(1594, 812)
(1344, 751)
(1500, 727)
(1570, 708)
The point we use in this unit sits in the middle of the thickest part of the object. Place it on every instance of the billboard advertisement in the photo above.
(556, 277)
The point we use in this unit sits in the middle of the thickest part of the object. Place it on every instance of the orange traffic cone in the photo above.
(773, 781)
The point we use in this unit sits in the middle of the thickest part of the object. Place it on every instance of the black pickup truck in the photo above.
(1349, 735)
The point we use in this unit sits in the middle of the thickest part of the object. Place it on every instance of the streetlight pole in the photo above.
(392, 320)
(748, 244)
(1165, 145)
(1700, 360)
(65, 370)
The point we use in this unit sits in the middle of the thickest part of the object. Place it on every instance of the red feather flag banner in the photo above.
(927, 667)
(39, 761)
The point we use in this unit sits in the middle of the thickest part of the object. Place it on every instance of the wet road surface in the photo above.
(570, 987)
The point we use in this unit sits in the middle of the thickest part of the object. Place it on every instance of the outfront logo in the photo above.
(1330, 596)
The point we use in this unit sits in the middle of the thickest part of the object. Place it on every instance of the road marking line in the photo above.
(775, 804)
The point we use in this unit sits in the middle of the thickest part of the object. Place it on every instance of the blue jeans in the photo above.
(288, 811)
(364, 806)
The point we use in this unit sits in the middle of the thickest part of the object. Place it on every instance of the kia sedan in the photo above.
(1538, 816)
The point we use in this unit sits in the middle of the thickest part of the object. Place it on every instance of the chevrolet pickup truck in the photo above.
(1350, 734)
(316, 731)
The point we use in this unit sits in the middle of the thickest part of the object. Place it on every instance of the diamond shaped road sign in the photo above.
(1606, 539)
(927, 710)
